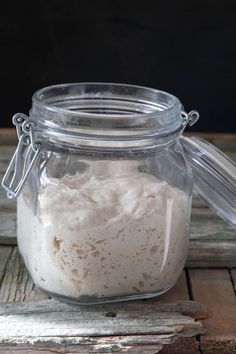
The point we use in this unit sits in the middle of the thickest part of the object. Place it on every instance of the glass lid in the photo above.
(214, 176)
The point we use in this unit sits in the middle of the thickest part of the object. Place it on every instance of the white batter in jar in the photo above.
(108, 231)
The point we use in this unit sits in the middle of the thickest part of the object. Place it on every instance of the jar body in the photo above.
(97, 227)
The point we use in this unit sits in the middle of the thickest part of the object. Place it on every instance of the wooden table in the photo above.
(30, 322)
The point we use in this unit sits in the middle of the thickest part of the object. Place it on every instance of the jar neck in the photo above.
(103, 115)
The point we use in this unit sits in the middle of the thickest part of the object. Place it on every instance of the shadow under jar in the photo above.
(104, 191)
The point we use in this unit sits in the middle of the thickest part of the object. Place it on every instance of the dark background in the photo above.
(186, 47)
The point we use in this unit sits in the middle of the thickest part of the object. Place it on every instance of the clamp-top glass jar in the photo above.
(104, 191)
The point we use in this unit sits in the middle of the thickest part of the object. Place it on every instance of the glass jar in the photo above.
(104, 191)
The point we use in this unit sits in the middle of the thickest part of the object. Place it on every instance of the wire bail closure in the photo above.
(190, 118)
(24, 158)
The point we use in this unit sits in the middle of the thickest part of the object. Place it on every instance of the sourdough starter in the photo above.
(109, 231)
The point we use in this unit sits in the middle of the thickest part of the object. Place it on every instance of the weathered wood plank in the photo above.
(106, 345)
(212, 241)
(135, 326)
(7, 228)
(84, 349)
(17, 284)
(117, 344)
(5, 253)
(206, 225)
(3, 166)
(211, 253)
(214, 288)
(112, 314)
(6, 204)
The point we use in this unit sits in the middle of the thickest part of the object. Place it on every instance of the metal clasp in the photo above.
(24, 158)
(190, 118)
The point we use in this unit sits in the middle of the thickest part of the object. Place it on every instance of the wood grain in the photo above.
(110, 345)
(212, 241)
(211, 253)
(204, 223)
(213, 287)
(17, 284)
(7, 228)
(5, 253)
(6, 204)
(50, 323)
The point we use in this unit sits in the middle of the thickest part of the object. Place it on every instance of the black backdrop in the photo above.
(186, 47)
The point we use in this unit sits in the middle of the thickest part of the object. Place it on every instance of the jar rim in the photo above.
(40, 97)
(106, 114)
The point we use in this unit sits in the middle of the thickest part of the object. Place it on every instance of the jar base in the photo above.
(90, 300)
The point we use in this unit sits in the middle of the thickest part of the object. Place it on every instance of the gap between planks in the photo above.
(214, 288)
